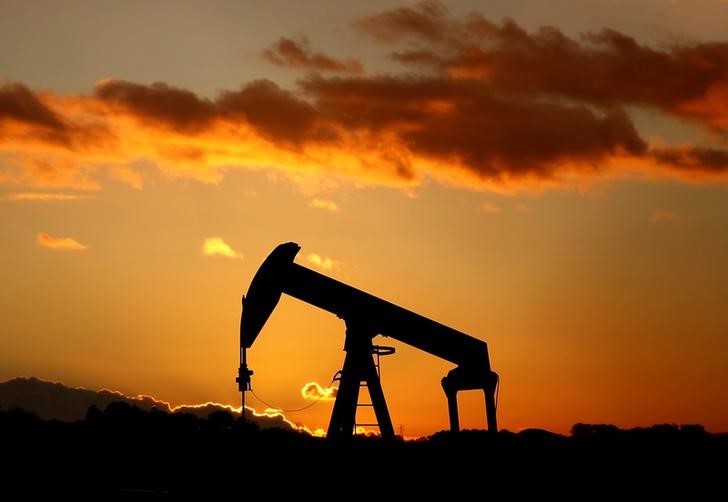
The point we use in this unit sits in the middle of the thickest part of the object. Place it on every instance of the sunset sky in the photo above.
(550, 177)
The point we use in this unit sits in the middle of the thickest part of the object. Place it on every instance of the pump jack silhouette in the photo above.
(366, 316)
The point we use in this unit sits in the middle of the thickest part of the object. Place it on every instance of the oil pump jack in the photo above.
(365, 316)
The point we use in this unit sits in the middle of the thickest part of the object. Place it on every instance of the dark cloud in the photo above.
(696, 160)
(417, 57)
(491, 135)
(168, 106)
(272, 111)
(426, 20)
(605, 68)
(479, 103)
(23, 106)
(298, 54)
(19, 103)
(28, 116)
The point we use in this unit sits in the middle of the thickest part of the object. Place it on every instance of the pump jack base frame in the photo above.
(359, 367)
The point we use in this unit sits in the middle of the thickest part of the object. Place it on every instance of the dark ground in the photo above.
(127, 452)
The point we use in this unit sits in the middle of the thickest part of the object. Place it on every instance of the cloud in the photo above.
(127, 175)
(323, 262)
(315, 392)
(42, 196)
(605, 68)
(215, 246)
(425, 20)
(470, 103)
(29, 118)
(167, 106)
(662, 215)
(489, 207)
(298, 54)
(688, 159)
(275, 113)
(465, 133)
(328, 205)
(45, 169)
(59, 243)
(21, 105)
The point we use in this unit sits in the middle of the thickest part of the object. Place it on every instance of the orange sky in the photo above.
(555, 186)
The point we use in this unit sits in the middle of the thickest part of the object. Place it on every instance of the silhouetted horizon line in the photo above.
(11, 397)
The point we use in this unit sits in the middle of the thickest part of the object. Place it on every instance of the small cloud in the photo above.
(42, 196)
(60, 243)
(328, 205)
(315, 392)
(323, 262)
(298, 54)
(128, 176)
(659, 215)
(215, 246)
(363, 431)
(522, 207)
(489, 207)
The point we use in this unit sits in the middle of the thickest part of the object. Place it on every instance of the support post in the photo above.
(376, 394)
(358, 366)
(461, 379)
(490, 410)
(344, 412)
(452, 409)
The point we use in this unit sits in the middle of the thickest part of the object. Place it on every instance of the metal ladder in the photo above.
(377, 351)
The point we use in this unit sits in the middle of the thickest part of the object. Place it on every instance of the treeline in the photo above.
(123, 448)
(122, 420)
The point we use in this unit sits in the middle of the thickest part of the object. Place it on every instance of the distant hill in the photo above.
(55, 401)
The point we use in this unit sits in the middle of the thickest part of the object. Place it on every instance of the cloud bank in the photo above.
(475, 103)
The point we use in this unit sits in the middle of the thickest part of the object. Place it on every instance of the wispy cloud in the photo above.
(42, 196)
(297, 53)
(489, 207)
(215, 246)
(59, 243)
(314, 391)
(328, 205)
(127, 175)
(662, 215)
(323, 262)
